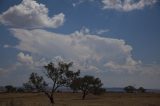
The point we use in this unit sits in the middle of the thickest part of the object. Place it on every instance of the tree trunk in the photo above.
(51, 100)
(84, 95)
(50, 97)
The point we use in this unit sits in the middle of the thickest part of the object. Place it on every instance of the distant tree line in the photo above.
(78, 84)
(11, 89)
(132, 89)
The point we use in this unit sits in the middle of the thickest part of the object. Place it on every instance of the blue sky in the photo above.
(116, 40)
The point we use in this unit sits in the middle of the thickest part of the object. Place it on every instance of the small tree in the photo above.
(60, 74)
(87, 84)
(27, 87)
(10, 88)
(130, 89)
(141, 89)
(75, 84)
(20, 90)
(36, 82)
(97, 87)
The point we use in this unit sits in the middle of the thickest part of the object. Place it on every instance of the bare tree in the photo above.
(60, 75)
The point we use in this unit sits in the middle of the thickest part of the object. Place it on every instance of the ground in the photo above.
(74, 99)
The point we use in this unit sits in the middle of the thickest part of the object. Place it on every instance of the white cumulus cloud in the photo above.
(2, 71)
(30, 14)
(6, 46)
(25, 58)
(127, 5)
(102, 31)
(86, 50)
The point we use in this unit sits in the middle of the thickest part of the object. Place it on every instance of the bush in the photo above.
(130, 89)
(88, 84)
(10, 88)
(141, 89)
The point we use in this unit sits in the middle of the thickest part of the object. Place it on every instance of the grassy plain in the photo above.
(74, 99)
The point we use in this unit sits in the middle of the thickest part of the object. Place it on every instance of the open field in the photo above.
(74, 99)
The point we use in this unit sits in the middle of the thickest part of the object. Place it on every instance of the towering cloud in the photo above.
(30, 14)
(88, 51)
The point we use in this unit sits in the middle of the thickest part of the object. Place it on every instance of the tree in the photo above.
(141, 89)
(75, 84)
(27, 87)
(36, 82)
(10, 88)
(60, 74)
(20, 90)
(87, 84)
(97, 87)
(130, 89)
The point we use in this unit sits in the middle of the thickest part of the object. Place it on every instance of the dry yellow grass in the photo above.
(74, 99)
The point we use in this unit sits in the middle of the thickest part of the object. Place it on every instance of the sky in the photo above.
(115, 40)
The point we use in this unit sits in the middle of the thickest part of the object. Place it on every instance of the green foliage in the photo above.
(130, 89)
(141, 89)
(20, 90)
(28, 87)
(96, 89)
(35, 83)
(75, 84)
(88, 84)
(59, 73)
(10, 88)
